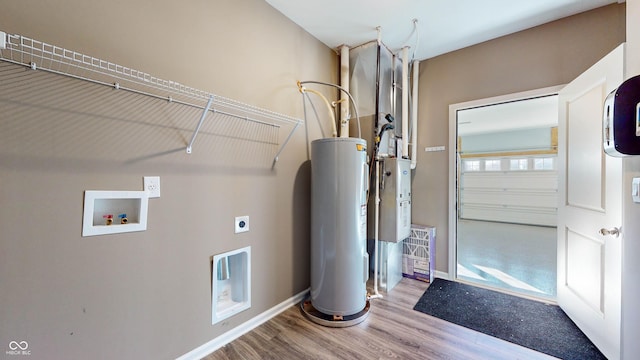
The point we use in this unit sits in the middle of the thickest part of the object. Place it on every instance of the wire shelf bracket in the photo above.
(277, 157)
(37, 55)
(195, 133)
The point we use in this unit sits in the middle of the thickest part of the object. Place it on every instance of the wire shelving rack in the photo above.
(38, 55)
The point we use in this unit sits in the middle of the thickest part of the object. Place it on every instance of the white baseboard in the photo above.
(222, 340)
(441, 275)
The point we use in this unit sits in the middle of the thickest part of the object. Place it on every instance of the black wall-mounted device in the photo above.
(621, 119)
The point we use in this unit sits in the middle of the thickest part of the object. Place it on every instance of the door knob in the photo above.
(614, 231)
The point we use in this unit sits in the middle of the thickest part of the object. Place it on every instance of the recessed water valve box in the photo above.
(111, 212)
(621, 119)
(231, 283)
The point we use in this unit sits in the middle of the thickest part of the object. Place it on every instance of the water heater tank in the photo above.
(339, 260)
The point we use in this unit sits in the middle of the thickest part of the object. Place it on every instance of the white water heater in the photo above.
(339, 260)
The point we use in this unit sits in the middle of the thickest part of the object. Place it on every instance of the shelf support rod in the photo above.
(204, 115)
(275, 158)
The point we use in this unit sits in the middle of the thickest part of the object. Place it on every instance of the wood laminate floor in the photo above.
(393, 330)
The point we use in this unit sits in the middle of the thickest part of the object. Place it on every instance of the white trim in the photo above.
(441, 275)
(453, 193)
(453, 158)
(222, 340)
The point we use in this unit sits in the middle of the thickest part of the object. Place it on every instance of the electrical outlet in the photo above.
(242, 224)
(152, 186)
(3, 40)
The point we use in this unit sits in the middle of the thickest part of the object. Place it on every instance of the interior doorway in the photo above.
(505, 192)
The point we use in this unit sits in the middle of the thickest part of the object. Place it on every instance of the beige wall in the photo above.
(548, 55)
(147, 295)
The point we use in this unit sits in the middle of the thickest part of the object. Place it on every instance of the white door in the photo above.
(590, 199)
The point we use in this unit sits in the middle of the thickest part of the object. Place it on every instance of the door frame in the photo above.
(454, 161)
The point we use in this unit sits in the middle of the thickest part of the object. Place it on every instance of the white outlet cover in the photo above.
(152, 186)
(242, 224)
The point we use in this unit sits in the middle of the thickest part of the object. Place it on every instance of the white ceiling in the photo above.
(534, 113)
(443, 25)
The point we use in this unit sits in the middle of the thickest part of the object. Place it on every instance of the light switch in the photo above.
(434, 148)
(635, 190)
